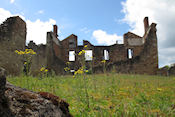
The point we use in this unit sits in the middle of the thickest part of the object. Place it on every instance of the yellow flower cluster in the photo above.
(159, 89)
(67, 63)
(43, 69)
(66, 69)
(103, 61)
(81, 52)
(27, 51)
(155, 111)
(80, 71)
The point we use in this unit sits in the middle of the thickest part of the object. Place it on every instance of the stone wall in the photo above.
(144, 58)
(55, 54)
(171, 71)
(69, 44)
(40, 59)
(12, 37)
(167, 70)
(144, 63)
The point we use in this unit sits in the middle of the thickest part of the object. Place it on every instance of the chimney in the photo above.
(146, 24)
(55, 30)
(116, 41)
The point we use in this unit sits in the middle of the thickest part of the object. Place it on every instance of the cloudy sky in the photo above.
(102, 22)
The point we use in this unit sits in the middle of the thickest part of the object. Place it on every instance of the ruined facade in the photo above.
(137, 55)
(12, 37)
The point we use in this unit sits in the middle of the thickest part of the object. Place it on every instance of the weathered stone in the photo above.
(4, 104)
(30, 104)
(144, 53)
(12, 37)
(2, 81)
(172, 70)
(55, 54)
(18, 102)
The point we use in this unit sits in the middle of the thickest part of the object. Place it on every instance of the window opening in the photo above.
(88, 55)
(71, 55)
(106, 55)
(130, 53)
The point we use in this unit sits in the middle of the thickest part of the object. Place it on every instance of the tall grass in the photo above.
(109, 96)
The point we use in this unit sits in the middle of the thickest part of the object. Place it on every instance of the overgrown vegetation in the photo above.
(109, 96)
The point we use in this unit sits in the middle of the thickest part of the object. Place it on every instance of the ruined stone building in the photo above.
(138, 55)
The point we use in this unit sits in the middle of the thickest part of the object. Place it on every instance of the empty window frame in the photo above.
(72, 43)
(71, 55)
(130, 53)
(88, 55)
(106, 55)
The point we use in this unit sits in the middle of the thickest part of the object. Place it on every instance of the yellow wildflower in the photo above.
(16, 51)
(66, 68)
(103, 61)
(155, 110)
(81, 52)
(42, 69)
(85, 46)
(46, 70)
(21, 53)
(159, 89)
(27, 51)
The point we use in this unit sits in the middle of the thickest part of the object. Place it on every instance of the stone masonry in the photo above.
(143, 58)
(12, 37)
(138, 54)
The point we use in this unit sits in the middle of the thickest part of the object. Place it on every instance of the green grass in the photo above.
(109, 95)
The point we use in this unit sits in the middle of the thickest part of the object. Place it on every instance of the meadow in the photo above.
(108, 95)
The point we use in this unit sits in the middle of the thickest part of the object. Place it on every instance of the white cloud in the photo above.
(103, 38)
(167, 56)
(12, 1)
(4, 14)
(85, 30)
(36, 30)
(40, 12)
(159, 11)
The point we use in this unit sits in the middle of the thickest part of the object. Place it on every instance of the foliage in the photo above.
(113, 95)
(27, 58)
(43, 72)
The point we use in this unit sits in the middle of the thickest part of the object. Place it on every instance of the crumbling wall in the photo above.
(133, 42)
(167, 70)
(145, 63)
(12, 37)
(40, 59)
(69, 44)
(171, 71)
(54, 55)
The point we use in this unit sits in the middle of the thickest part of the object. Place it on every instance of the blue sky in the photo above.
(73, 16)
(102, 22)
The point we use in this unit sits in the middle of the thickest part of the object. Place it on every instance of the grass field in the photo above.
(109, 95)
